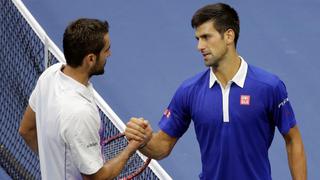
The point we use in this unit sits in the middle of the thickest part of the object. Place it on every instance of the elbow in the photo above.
(22, 132)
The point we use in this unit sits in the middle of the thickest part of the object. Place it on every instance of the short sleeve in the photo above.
(176, 118)
(33, 97)
(82, 136)
(283, 114)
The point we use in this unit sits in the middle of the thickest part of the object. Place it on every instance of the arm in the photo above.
(113, 167)
(157, 145)
(28, 129)
(84, 142)
(296, 155)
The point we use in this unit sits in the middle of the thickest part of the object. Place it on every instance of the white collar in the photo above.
(239, 78)
(68, 83)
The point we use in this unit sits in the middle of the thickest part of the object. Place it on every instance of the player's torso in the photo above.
(242, 142)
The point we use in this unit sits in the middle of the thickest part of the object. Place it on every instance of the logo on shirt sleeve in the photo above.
(245, 100)
(283, 102)
(167, 113)
(93, 144)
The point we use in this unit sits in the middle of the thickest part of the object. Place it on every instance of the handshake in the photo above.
(156, 145)
(138, 132)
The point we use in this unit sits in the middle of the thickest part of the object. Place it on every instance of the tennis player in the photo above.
(62, 122)
(234, 106)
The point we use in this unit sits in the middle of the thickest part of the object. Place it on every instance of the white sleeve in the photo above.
(82, 136)
(33, 97)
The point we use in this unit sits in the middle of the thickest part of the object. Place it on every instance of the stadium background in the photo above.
(154, 50)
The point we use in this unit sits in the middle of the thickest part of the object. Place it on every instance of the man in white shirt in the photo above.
(62, 122)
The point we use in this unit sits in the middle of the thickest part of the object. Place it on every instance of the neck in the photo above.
(77, 74)
(227, 68)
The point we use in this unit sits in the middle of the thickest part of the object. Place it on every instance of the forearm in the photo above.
(157, 148)
(114, 166)
(159, 145)
(296, 159)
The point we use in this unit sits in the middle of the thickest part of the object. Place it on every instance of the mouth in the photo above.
(205, 55)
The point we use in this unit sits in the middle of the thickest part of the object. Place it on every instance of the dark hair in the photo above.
(223, 16)
(82, 37)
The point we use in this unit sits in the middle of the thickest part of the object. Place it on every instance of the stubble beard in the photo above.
(213, 62)
(96, 71)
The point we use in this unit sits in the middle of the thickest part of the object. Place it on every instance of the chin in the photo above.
(209, 64)
(100, 72)
(97, 73)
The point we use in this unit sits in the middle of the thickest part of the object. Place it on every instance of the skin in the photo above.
(296, 154)
(92, 65)
(28, 129)
(219, 53)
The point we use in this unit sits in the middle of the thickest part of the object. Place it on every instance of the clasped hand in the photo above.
(140, 130)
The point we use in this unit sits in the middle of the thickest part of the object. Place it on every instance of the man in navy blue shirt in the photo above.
(234, 106)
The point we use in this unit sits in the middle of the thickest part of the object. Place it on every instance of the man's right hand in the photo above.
(139, 129)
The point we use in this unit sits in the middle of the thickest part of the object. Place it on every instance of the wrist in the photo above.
(142, 145)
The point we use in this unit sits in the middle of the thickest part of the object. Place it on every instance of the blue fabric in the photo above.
(239, 148)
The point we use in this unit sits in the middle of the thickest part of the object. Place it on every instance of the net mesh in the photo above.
(116, 146)
(22, 62)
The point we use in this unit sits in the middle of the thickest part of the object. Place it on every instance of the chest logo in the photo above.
(245, 100)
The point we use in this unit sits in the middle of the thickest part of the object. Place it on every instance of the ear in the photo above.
(229, 36)
(90, 59)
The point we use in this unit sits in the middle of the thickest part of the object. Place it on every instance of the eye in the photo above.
(205, 37)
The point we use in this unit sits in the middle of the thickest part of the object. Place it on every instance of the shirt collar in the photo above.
(68, 83)
(238, 78)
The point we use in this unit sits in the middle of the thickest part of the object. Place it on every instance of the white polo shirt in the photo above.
(68, 124)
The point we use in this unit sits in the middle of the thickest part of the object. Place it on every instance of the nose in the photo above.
(201, 45)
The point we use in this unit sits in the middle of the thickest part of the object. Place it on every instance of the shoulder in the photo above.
(50, 70)
(191, 86)
(262, 77)
(196, 80)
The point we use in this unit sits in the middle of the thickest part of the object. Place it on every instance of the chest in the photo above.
(237, 106)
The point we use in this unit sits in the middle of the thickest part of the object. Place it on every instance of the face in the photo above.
(211, 44)
(98, 68)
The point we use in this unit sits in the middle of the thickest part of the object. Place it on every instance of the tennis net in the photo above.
(26, 51)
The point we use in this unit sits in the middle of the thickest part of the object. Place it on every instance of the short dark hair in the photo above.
(222, 15)
(82, 37)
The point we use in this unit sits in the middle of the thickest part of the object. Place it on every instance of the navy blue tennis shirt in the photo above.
(234, 125)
